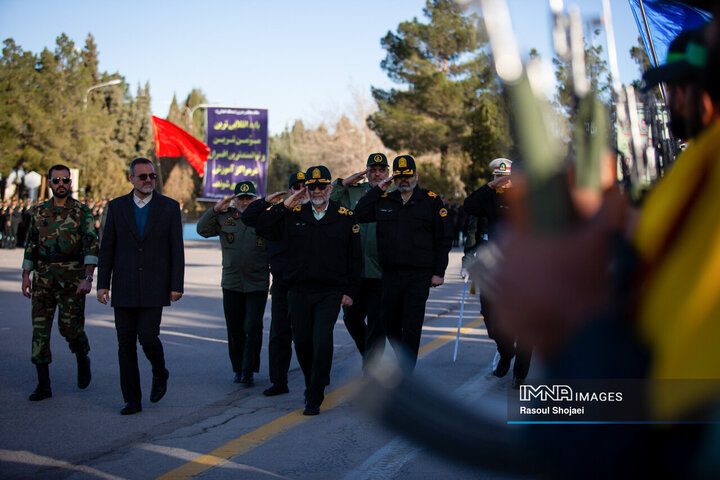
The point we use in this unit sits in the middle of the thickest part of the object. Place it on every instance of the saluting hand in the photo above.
(385, 183)
(295, 199)
(103, 295)
(223, 204)
(275, 197)
(355, 178)
(504, 181)
(346, 301)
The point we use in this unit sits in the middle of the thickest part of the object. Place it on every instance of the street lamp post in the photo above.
(105, 84)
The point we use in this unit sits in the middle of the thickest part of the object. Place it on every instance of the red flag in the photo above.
(173, 141)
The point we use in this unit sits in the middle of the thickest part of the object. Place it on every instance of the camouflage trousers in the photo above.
(71, 320)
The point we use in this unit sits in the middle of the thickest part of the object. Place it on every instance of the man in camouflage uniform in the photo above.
(62, 251)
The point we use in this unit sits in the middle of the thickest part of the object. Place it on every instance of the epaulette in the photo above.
(384, 195)
(297, 208)
(432, 194)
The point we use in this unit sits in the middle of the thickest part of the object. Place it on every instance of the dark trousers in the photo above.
(133, 324)
(244, 321)
(371, 338)
(508, 346)
(280, 343)
(404, 293)
(313, 316)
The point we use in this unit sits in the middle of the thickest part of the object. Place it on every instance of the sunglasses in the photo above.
(144, 176)
(317, 186)
(57, 180)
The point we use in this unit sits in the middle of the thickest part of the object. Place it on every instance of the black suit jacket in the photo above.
(144, 270)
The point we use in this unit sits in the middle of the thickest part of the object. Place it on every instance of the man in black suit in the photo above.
(142, 251)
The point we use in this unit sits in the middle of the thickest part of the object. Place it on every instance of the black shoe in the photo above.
(131, 409)
(236, 378)
(159, 387)
(311, 410)
(517, 382)
(41, 393)
(502, 367)
(84, 375)
(276, 390)
(247, 379)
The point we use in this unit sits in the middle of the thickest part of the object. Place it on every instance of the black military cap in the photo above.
(245, 188)
(317, 174)
(685, 62)
(404, 166)
(295, 178)
(377, 159)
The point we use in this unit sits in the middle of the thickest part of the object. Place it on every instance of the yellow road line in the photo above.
(257, 437)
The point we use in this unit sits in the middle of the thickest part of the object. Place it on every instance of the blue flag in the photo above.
(666, 19)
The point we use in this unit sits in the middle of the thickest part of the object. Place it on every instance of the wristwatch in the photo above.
(89, 278)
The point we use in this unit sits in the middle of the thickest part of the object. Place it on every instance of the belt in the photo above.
(60, 258)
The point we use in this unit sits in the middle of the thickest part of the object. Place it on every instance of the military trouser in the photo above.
(313, 315)
(71, 320)
(280, 343)
(371, 338)
(404, 293)
(508, 346)
(244, 321)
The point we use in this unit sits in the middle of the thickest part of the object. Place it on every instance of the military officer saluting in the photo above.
(414, 237)
(62, 253)
(245, 279)
(323, 270)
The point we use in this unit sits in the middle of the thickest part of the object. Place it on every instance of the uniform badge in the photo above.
(402, 162)
(259, 242)
(377, 158)
(300, 176)
(316, 173)
(443, 212)
(297, 208)
(342, 211)
(244, 187)
(432, 194)
(230, 238)
(356, 228)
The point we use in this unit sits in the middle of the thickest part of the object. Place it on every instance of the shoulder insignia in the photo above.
(356, 228)
(342, 211)
(297, 208)
(443, 212)
(268, 208)
(384, 195)
(433, 195)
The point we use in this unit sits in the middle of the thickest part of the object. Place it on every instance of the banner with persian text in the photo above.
(238, 141)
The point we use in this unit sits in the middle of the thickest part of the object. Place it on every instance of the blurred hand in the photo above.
(346, 301)
(385, 184)
(26, 285)
(275, 197)
(354, 178)
(504, 181)
(103, 295)
(436, 281)
(223, 204)
(175, 296)
(295, 199)
(83, 288)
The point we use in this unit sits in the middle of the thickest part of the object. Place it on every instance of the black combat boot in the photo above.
(42, 391)
(84, 375)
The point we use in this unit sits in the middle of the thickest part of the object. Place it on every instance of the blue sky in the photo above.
(298, 59)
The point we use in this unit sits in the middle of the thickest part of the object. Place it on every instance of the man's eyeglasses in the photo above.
(317, 186)
(297, 186)
(144, 176)
(57, 180)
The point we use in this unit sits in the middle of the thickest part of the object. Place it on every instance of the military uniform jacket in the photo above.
(417, 234)
(485, 202)
(321, 254)
(244, 254)
(61, 241)
(348, 196)
(275, 248)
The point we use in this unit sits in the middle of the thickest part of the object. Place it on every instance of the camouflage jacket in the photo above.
(61, 241)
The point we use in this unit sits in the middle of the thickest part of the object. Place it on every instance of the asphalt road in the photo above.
(206, 426)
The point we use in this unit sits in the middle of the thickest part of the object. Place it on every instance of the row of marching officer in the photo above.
(367, 248)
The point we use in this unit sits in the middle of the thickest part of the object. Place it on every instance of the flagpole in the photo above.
(652, 46)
